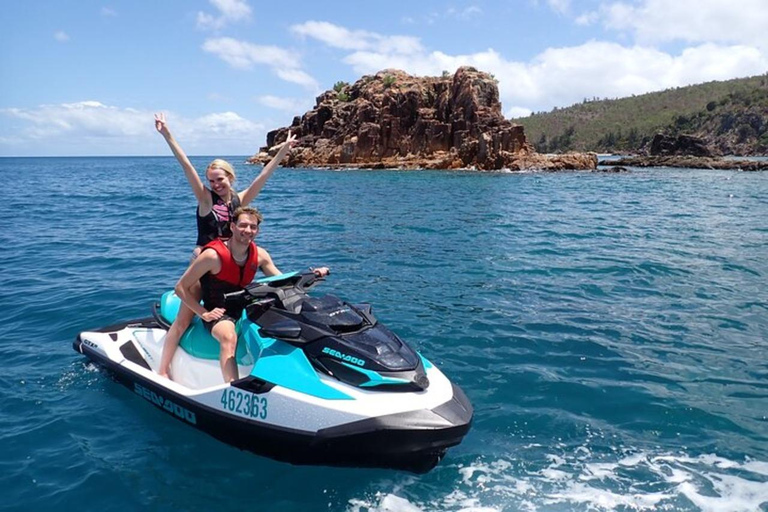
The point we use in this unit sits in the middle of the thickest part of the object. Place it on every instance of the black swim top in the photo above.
(216, 223)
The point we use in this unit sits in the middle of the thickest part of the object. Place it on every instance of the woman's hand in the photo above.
(160, 125)
(290, 141)
(214, 314)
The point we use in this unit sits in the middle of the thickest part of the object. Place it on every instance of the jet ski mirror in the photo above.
(307, 280)
(286, 330)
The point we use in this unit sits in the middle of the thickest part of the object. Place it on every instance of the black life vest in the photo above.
(216, 223)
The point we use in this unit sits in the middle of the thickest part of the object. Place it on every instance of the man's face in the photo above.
(245, 229)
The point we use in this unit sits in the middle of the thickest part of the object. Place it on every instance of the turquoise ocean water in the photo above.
(610, 330)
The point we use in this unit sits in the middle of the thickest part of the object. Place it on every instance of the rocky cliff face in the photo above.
(394, 120)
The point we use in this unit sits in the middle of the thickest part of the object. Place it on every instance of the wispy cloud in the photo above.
(228, 11)
(345, 39)
(465, 13)
(469, 13)
(292, 105)
(108, 12)
(560, 6)
(244, 55)
(587, 18)
(61, 36)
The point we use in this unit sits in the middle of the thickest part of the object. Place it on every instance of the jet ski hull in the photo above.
(258, 416)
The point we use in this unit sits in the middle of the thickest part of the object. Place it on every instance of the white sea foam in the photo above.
(636, 481)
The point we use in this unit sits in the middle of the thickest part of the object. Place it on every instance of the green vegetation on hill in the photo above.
(731, 116)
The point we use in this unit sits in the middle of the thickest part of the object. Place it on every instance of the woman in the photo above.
(215, 206)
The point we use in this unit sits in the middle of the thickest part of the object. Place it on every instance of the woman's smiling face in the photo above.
(219, 182)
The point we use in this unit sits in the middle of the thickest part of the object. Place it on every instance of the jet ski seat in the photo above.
(197, 341)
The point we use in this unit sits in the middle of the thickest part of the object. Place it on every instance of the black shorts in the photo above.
(209, 325)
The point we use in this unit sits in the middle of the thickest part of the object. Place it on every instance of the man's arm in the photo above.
(207, 261)
(266, 264)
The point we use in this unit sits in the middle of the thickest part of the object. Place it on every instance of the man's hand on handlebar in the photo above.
(321, 271)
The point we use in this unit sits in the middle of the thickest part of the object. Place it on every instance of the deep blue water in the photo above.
(610, 330)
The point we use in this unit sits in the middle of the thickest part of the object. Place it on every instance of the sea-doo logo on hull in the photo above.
(164, 403)
(344, 357)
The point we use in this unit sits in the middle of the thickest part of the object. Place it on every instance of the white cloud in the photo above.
(345, 39)
(694, 21)
(108, 12)
(222, 126)
(228, 11)
(557, 76)
(61, 36)
(244, 55)
(292, 105)
(90, 118)
(91, 127)
(562, 76)
(334, 35)
(297, 76)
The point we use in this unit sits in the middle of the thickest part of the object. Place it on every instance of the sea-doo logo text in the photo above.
(338, 312)
(344, 357)
(164, 403)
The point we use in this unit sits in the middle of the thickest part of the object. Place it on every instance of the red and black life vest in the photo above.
(231, 278)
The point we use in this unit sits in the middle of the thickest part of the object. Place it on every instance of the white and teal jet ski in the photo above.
(321, 380)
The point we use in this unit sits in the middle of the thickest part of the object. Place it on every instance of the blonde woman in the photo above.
(215, 206)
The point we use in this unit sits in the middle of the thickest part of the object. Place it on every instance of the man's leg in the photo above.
(174, 334)
(224, 332)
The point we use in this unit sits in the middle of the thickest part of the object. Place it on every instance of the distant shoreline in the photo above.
(692, 162)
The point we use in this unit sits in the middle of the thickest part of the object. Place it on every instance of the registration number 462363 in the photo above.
(242, 402)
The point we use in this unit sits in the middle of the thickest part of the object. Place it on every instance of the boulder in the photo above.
(681, 145)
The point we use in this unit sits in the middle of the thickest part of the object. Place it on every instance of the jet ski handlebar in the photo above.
(300, 281)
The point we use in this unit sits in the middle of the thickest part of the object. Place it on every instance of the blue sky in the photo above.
(85, 77)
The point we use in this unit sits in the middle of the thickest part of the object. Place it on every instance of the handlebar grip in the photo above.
(239, 295)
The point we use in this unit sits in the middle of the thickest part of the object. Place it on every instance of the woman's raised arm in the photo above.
(249, 194)
(192, 177)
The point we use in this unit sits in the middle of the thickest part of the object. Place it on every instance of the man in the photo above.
(226, 266)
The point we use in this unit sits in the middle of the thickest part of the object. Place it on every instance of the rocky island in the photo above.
(395, 120)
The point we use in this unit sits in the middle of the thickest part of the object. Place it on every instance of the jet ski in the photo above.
(321, 380)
